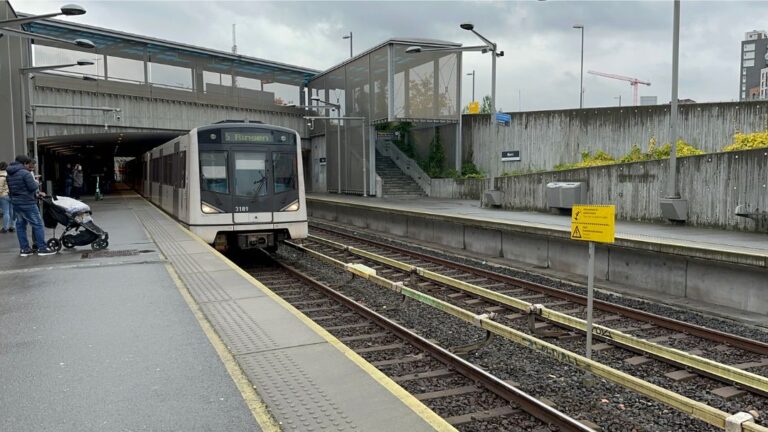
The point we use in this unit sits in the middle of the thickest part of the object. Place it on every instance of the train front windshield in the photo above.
(248, 170)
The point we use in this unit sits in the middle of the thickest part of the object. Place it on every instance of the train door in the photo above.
(252, 188)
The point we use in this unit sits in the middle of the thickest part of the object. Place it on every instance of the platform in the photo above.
(113, 341)
(716, 268)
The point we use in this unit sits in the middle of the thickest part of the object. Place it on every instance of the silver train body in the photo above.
(232, 184)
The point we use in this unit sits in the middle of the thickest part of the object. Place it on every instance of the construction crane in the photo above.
(634, 82)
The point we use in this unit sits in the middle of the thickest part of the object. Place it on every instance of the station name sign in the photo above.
(510, 155)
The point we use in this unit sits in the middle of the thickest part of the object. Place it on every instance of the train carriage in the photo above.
(233, 184)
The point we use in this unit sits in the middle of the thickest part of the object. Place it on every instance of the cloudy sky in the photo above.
(540, 68)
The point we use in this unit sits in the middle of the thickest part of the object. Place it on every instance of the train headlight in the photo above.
(294, 206)
(209, 209)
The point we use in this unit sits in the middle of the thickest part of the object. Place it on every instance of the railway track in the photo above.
(466, 396)
(557, 314)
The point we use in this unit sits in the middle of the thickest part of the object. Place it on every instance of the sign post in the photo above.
(592, 223)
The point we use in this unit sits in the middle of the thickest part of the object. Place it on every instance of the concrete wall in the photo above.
(699, 274)
(547, 138)
(164, 109)
(714, 185)
(13, 55)
(459, 188)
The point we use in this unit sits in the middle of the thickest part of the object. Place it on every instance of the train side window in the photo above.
(213, 171)
(251, 174)
(182, 180)
(284, 171)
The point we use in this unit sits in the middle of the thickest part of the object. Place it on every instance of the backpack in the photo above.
(4, 191)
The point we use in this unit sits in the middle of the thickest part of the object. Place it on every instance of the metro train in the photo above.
(236, 185)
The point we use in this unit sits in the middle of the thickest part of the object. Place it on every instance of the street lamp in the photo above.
(473, 84)
(67, 10)
(673, 207)
(337, 107)
(492, 47)
(349, 36)
(27, 73)
(619, 98)
(581, 76)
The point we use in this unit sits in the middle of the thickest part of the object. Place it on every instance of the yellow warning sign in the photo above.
(595, 223)
(474, 107)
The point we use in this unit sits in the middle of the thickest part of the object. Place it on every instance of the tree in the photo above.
(485, 105)
(421, 99)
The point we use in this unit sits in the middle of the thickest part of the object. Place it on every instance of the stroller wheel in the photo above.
(54, 244)
(99, 244)
(67, 242)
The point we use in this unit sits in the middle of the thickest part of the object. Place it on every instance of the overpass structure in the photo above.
(161, 89)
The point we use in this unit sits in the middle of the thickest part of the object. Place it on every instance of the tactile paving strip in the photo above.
(203, 288)
(241, 334)
(292, 392)
(290, 379)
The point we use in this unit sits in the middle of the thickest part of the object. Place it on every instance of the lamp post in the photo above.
(581, 75)
(33, 108)
(349, 36)
(337, 107)
(492, 47)
(619, 98)
(673, 192)
(473, 84)
(67, 10)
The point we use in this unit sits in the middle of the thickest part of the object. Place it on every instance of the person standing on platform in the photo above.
(68, 180)
(77, 181)
(24, 190)
(5, 200)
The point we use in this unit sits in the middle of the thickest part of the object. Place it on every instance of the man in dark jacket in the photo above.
(23, 191)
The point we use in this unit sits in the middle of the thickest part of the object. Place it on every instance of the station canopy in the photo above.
(142, 48)
(388, 84)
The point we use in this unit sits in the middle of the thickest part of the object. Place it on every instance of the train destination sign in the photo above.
(247, 137)
(595, 223)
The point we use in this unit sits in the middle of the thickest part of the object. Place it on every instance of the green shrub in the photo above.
(748, 141)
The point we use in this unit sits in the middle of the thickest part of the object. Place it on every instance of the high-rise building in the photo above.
(754, 58)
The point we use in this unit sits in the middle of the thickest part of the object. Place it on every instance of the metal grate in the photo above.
(110, 253)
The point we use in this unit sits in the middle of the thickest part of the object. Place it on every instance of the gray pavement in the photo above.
(106, 344)
(755, 243)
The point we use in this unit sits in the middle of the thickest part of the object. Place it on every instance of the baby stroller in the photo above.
(75, 216)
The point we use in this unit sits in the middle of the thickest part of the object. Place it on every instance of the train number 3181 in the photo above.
(241, 208)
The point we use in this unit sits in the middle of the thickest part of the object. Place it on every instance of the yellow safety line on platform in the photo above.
(258, 408)
(426, 414)
(701, 364)
(684, 404)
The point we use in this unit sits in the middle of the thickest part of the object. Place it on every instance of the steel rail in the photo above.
(527, 402)
(664, 322)
(721, 372)
(698, 410)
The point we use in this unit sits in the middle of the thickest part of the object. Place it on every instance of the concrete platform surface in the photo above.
(737, 241)
(132, 339)
(700, 238)
(106, 344)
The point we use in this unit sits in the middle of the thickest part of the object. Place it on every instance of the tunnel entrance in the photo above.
(103, 156)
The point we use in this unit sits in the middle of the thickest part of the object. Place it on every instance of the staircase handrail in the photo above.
(406, 164)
